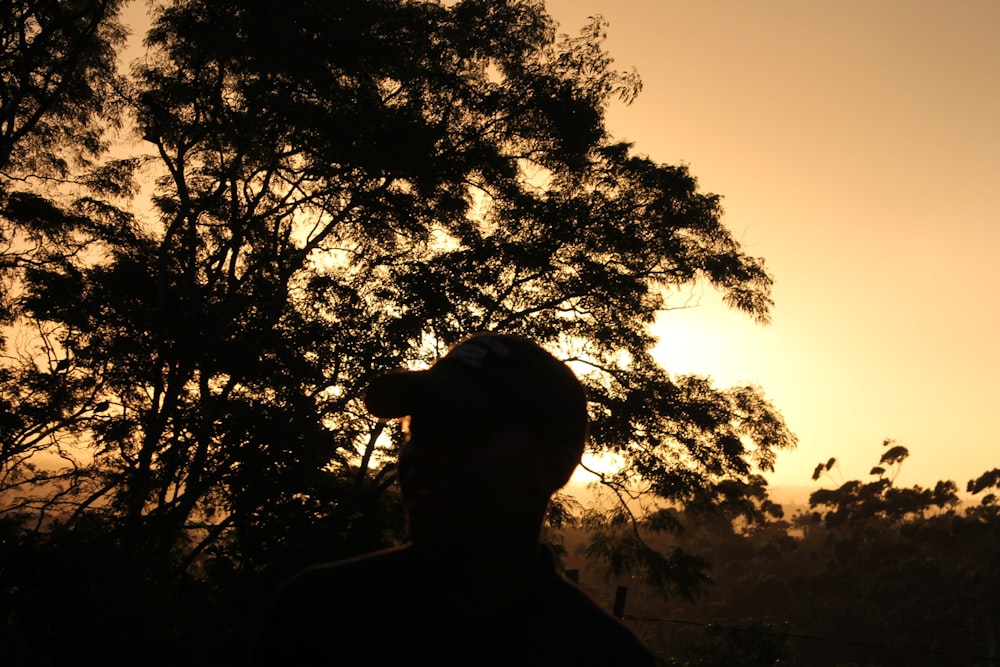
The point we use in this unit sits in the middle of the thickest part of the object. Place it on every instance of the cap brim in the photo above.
(401, 393)
(396, 394)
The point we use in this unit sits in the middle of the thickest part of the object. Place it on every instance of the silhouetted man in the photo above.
(494, 428)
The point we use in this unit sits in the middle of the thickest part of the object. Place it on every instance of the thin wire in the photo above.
(846, 642)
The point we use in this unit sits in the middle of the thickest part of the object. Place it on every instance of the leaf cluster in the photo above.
(338, 189)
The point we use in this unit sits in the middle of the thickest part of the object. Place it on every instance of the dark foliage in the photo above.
(338, 188)
(877, 586)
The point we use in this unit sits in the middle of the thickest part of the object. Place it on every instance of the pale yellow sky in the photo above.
(857, 145)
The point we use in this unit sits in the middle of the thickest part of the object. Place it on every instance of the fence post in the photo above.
(619, 609)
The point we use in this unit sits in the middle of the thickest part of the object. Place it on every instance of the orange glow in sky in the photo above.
(857, 148)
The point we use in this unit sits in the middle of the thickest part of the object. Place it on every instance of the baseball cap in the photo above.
(491, 376)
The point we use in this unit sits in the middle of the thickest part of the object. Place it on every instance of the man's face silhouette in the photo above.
(465, 479)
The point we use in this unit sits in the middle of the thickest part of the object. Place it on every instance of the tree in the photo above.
(349, 187)
(856, 502)
(904, 569)
(60, 95)
(989, 479)
(58, 79)
(875, 588)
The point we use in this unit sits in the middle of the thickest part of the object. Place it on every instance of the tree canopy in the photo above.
(341, 188)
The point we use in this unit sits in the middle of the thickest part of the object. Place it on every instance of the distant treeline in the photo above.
(871, 574)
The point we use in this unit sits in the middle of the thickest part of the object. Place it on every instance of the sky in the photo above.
(856, 145)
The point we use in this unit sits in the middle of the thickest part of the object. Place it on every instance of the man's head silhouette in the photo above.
(493, 429)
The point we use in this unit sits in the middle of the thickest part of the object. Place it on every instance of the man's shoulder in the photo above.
(373, 562)
(575, 613)
(324, 598)
(360, 572)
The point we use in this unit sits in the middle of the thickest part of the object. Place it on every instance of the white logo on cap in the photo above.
(474, 352)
